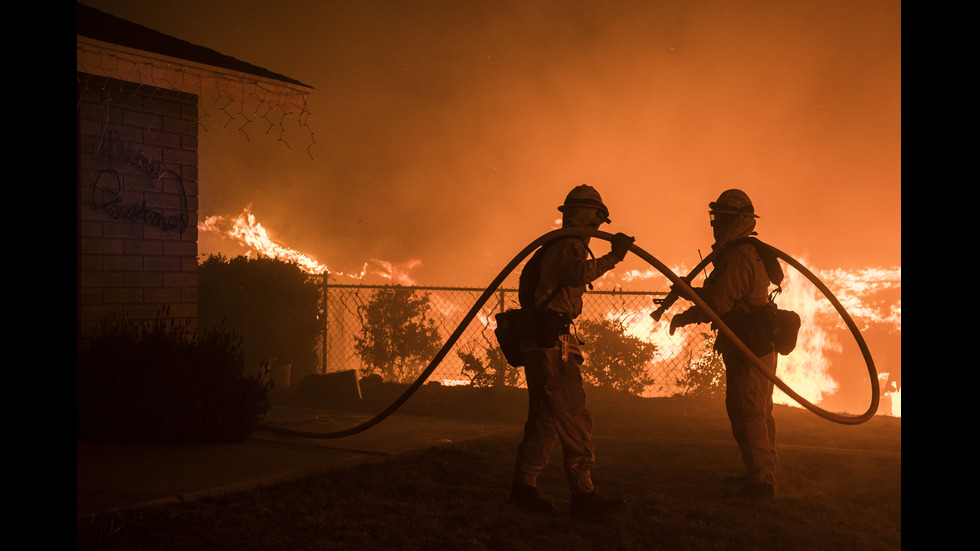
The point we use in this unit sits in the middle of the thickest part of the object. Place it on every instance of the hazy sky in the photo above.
(449, 131)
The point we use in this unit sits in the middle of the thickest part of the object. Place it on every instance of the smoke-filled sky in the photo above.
(448, 132)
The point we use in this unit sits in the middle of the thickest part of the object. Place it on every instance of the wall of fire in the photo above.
(136, 204)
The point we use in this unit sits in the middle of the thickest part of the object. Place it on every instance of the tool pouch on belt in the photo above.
(781, 327)
(548, 325)
(765, 328)
(512, 326)
(751, 326)
(785, 330)
(540, 326)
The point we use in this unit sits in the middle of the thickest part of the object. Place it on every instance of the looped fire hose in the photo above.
(679, 283)
(757, 363)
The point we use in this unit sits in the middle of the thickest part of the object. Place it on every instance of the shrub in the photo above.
(399, 337)
(494, 372)
(704, 375)
(614, 359)
(273, 304)
(156, 381)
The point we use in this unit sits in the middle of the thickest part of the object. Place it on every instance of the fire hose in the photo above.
(680, 284)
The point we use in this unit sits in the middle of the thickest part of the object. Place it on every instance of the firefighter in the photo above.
(737, 290)
(553, 359)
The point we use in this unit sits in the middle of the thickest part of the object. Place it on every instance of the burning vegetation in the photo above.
(872, 296)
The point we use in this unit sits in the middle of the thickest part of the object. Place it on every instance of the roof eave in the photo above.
(154, 69)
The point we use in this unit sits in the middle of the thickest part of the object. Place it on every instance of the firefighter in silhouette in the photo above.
(553, 359)
(736, 290)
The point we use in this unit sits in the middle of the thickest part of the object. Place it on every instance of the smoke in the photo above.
(451, 134)
(447, 133)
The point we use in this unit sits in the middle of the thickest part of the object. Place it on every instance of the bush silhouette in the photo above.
(613, 358)
(704, 375)
(272, 304)
(157, 381)
(398, 337)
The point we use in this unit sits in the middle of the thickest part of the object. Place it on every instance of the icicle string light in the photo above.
(230, 94)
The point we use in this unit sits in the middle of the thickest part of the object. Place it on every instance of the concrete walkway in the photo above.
(121, 476)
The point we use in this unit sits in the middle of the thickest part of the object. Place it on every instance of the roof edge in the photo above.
(109, 29)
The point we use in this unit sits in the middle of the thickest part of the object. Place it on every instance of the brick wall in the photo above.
(136, 203)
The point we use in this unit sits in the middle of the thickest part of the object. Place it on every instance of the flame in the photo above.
(896, 398)
(651, 276)
(863, 294)
(249, 233)
(894, 395)
(805, 370)
(871, 296)
(866, 294)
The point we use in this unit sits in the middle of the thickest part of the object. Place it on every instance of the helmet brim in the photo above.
(603, 211)
(715, 208)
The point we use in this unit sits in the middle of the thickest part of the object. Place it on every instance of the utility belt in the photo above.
(552, 330)
(546, 326)
(751, 324)
(522, 329)
(763, 329)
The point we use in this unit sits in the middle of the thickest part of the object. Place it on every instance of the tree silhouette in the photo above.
(271, 303)
(704, 376)
(494, 372)
(398, 336)
(615, 359)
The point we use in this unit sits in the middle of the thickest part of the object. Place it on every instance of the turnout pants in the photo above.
(556, 411)
(748, 399)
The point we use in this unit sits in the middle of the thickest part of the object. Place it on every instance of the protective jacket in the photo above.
(556, 405)
(738, 291)
(739, 281)
(567, 264)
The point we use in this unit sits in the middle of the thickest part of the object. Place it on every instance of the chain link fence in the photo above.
(346, 328)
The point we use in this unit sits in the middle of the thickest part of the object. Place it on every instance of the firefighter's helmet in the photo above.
(586, 196)
(732, 202)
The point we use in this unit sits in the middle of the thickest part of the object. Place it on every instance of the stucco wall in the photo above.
(137, 203)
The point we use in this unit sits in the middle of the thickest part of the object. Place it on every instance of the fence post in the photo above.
(326, 319)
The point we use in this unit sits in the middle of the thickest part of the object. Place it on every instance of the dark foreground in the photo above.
(839, 488)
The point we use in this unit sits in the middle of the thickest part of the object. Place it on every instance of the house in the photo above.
(141, 99)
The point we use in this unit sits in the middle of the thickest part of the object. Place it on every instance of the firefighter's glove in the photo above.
(621, 244)
(680, 320)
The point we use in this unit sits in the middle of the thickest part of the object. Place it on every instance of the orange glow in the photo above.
(895, 393)
(458, 149)
(807, 370)
(871, 296)
(250, 234)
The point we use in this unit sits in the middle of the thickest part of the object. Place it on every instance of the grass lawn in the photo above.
(839, 488)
